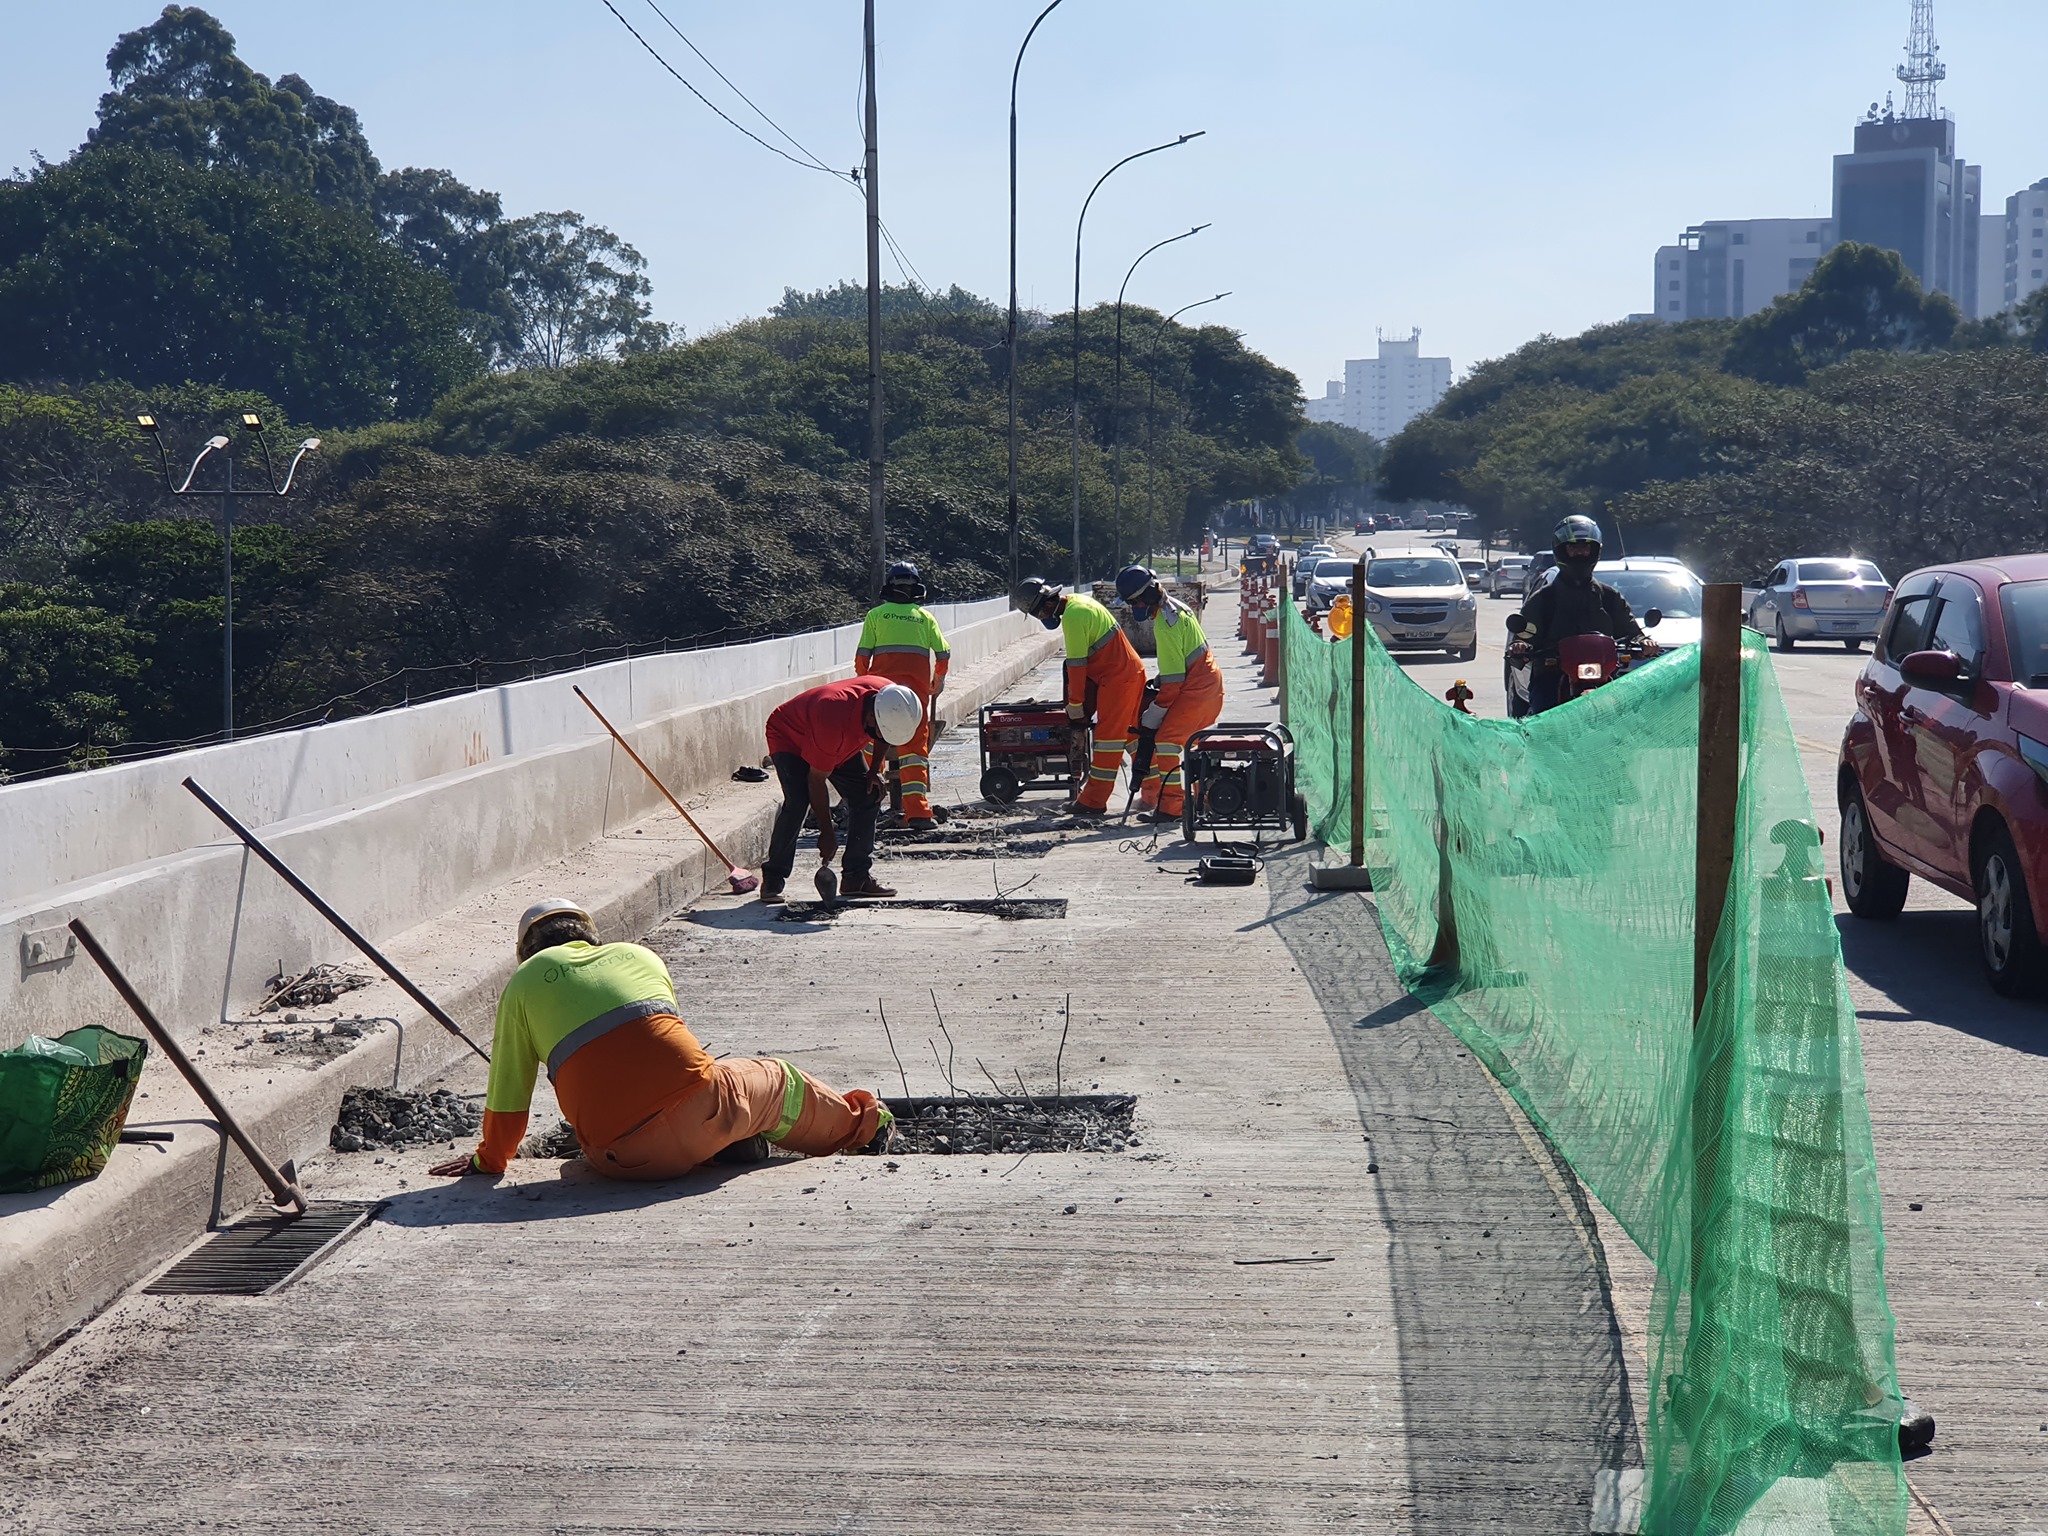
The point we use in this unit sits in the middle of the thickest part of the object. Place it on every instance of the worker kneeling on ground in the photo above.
(833, 734)
(646, 1100)
(1190, 696)
(900, 642)
(1099, 656)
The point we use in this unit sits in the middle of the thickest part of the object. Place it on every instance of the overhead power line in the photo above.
(743, 96)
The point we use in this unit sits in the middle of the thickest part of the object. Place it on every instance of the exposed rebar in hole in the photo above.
(1079, 1122)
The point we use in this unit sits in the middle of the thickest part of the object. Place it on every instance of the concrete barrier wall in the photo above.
(394, 818)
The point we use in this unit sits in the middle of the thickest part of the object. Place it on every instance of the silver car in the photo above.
(1821, 599)
(1417, 599)
(1305, 569)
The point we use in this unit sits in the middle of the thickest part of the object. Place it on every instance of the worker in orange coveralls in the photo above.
(1098, 653)
(645, 1099)
(1190, 696)
(901, 641)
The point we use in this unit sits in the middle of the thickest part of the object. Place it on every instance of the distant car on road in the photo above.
(1417, 599)
(1944, 766)
(1508, 574)
(1305, 569)
(1821, 599)
(1476, 573)
(1332, 579)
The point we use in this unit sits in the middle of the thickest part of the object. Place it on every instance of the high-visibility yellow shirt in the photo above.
(1178, 639)
(603, 1019)
(908, 635)
(1089, 629)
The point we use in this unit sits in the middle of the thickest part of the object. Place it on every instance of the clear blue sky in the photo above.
(1485, 169)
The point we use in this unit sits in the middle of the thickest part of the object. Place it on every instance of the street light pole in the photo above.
(1116, 403)
(1012, 338)
(227, 494)
(1079, 225)
(876, 421)
(1152, 394)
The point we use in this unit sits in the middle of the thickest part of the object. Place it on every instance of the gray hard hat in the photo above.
(1032, 591)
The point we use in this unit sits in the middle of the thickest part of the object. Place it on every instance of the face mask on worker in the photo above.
(1578, 561)
(1048, 615)
(1146, 604)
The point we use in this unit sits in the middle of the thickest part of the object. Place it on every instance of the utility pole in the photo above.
(876, 510)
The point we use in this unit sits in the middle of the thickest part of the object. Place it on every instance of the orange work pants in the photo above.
(1119, 679)
(913, 758)
(747, 1096)
(1196, 707)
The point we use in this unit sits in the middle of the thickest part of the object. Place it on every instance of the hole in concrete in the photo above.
(1077, 1122)
(387, 1120)
(1007, 907)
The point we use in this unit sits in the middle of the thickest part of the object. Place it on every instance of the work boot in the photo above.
(866, 885)
(771, 891)
(918, 824)
(1082, 812)
(743, 1154)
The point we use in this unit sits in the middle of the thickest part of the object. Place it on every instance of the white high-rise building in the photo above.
(2026, 244)
(1732, 268)
(1381, 395)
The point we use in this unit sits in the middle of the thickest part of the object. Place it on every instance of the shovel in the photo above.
(827, 882)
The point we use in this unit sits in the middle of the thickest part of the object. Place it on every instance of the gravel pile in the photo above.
(386, 1120)
(1092, 1123)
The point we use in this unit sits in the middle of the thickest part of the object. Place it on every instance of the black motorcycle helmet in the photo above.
(1576, 543)
(902, 584)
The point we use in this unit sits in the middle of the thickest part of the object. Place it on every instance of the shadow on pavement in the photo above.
(578, 1191)
(1926, 962)
(1514, 1370)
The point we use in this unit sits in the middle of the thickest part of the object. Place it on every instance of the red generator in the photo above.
(1027, 742)
(1240, 778)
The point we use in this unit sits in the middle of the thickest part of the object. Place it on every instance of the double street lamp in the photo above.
(1079, 225)
(227, 492)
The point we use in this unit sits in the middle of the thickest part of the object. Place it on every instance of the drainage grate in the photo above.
(254, 1258)
(1010, 907)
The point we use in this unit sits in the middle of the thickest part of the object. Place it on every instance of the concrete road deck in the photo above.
(1054, 1344)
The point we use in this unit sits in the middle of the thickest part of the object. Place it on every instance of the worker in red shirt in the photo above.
(824, 736)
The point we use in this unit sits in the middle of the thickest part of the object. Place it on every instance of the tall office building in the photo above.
(1381, 395)
(1734, 267)
(2025, 267)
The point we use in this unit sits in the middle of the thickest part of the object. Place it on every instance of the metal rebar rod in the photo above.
(284, 1190)
(341, 924)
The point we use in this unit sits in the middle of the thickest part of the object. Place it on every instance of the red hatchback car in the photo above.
(1944, 770)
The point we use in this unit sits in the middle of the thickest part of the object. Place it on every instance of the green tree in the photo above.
(123, 265)
(574, 290)
(1860, 298)
(66, 671)
(180, 89)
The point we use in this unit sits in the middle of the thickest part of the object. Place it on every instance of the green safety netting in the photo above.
(1534, 881)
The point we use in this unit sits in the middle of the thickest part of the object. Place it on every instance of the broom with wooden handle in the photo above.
(742, 880)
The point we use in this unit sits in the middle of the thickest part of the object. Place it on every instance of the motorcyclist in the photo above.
(1572, 604)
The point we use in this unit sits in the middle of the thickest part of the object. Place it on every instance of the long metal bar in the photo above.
(653, 777)
(1358, 796)
(284, 1190)
(342, 925)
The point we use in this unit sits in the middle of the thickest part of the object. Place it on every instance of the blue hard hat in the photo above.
(1132, 580)
(903, 577)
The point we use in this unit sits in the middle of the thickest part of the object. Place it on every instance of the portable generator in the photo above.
(1028, 742)
(1240, 778)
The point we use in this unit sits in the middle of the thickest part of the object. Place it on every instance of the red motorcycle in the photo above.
(1582, 663)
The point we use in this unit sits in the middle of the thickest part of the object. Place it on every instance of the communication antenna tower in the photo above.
(1923, 71)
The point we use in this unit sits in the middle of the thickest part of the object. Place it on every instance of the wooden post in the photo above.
(1358, 796)
(1720, 766)
(1280, 656)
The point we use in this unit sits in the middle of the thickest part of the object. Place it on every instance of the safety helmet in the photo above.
(898, 714)
(1576, 529)
(1132, 580)
(1031, 592)
(548, 908)
(902, 584)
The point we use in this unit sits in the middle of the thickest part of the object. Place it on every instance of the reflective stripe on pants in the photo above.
(747, 1096)
(1195, 708)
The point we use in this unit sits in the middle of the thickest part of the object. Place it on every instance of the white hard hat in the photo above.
(548, 908)
(898, 714)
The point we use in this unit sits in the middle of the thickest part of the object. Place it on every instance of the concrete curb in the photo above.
(73, 1250)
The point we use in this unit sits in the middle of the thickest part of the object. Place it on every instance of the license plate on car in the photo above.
(1847, 624)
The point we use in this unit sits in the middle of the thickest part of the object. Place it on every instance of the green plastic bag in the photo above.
(62, 1105)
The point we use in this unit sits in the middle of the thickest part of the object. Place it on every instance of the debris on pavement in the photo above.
(1075, 1123)
(389, 1120)
(310, 989)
